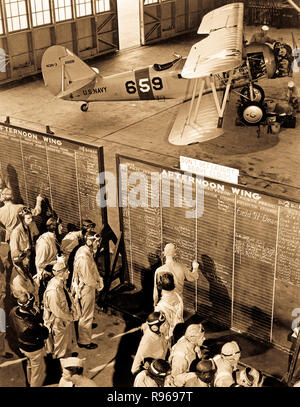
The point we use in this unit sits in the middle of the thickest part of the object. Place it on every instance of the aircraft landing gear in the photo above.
(258, 92)
(84, 107)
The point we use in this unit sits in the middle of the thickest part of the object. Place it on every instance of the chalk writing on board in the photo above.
(63, 171)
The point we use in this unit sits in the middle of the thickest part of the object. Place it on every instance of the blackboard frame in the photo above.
(281, 202)
(7, 128)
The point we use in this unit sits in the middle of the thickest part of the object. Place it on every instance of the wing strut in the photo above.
(221, 108)
(200, 93)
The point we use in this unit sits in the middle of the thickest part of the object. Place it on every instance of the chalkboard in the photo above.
(247, 243)
(62, 171)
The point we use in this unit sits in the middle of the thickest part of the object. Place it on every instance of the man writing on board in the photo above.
(179, 271)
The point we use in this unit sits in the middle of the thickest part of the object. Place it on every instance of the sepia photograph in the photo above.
(149, 197)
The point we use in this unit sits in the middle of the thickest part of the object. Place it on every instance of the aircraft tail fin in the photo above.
(63, 72)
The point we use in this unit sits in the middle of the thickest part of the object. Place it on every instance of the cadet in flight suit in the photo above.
(179, 271)
(154, 343)
(59, 313)
(187, 349)
(72, 373)
(86, 280)
(170, 304)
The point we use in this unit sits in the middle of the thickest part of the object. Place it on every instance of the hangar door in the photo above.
(161, 19)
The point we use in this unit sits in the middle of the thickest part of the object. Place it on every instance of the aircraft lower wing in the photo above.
(215, 56)
(191, 126)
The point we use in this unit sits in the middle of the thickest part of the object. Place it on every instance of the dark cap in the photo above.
(25, 211)
(53, 221)
(87, 223)
(25, 300)
(160, 368)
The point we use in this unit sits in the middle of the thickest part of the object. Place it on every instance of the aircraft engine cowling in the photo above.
(259, 55)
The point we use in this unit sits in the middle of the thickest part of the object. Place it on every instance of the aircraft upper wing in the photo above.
(221, 51)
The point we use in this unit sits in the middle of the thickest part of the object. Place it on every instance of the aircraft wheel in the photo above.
(259, 94)
(84, 107)
(253, 113)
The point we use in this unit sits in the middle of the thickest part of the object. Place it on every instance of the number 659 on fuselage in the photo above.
(69, 78)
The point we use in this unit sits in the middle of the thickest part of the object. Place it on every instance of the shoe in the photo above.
(88, 346)
(7, 355)
(94, 325)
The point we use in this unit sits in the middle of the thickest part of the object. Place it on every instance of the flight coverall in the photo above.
(261, 38)
(171, 306)
(22, 239)
(77, 381)
(86, 279)
(180, 273)
(45, 251)
(152, 345)
(144, 380)
(189, 379)
(23, 284)
(224, 373)
(45, 257)
(69, 242)
(59, 319)
(182, 355)
(9, 216)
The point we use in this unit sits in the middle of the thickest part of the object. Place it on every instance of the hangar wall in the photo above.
(90, 27)
(28, 27)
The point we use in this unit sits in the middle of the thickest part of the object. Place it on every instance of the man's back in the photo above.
(180, 273)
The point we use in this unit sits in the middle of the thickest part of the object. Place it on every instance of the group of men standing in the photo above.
(163, 361)
(47, 299)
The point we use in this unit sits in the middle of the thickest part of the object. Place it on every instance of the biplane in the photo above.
(203, 80)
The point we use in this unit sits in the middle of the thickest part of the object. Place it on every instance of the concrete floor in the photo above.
(270, 163)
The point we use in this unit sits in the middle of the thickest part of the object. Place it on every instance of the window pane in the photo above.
(68, 13)
(23, 20)
(47, 17)
(61, 14)
(8, 12)
(63, 10)
(40, 12)
(22, 8)
(39, 5)
(102, 5)
(14, 10)
(16, 23)
(83, 7)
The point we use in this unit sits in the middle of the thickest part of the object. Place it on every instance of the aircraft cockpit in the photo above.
(168, 65)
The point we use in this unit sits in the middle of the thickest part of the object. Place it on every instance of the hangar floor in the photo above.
(269, 163)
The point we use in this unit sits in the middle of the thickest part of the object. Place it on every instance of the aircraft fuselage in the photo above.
(140, 84)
